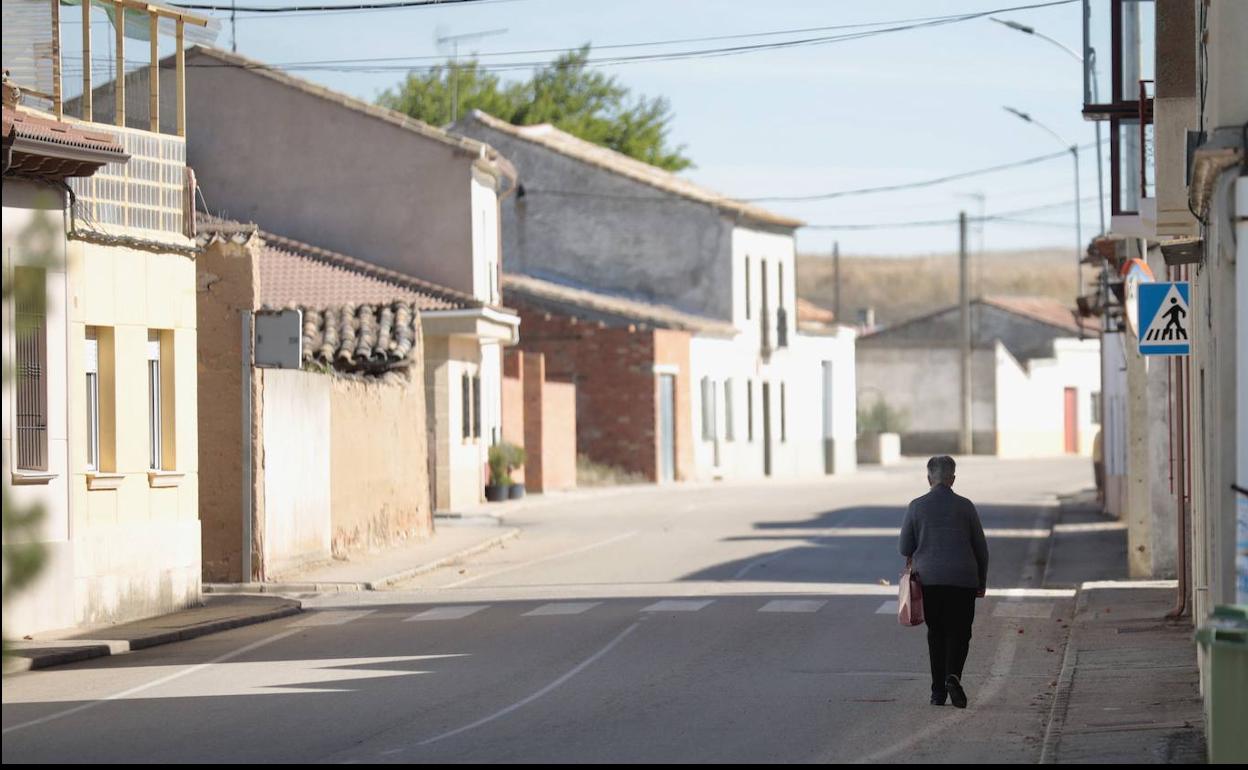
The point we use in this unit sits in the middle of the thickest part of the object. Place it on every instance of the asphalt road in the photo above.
(714, 623)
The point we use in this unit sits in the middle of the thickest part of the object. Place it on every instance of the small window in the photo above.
(465, 404)
(784, 421)
(729, 433)
(749, 409)
(747, 289)
(91, 364)
(709, 412)
(155, 411)
(476, 406)
(1096, 408)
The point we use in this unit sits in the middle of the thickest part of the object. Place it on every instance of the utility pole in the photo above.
(233, 28)
(965, 445)
(836, 281)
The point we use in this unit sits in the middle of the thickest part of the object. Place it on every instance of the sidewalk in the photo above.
(218, 613)
(1128, 688)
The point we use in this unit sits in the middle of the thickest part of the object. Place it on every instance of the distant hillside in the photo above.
(904, 287)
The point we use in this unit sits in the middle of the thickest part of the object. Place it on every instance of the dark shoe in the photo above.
(938, 699)
(956, 693)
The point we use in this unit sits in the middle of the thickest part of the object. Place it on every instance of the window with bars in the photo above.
(31, 365)
(465, 404)
(729, 433)
(709, 411)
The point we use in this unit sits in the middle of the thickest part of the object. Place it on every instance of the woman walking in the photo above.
(944, 539)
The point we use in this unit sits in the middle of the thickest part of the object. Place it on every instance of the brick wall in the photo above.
(513, 405)
(616, 387)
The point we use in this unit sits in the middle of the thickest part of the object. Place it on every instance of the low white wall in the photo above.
(297, 528)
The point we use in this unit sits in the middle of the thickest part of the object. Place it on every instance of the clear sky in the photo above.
(882, 110)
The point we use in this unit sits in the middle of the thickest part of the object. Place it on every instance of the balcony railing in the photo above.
(35, 34)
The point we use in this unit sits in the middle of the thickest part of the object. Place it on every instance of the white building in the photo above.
(766, 399)
(1035, 379)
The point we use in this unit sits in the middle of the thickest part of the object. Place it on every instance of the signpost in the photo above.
(1165, 319)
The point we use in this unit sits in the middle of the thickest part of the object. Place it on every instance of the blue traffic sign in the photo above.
(1165, 319)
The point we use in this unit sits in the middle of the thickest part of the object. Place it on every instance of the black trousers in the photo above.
(949, 612)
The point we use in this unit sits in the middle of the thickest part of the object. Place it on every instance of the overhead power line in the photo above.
(1004, 217)
(270, 9)
(915, 185)
(388, 64)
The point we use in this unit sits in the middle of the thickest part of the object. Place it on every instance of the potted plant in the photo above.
(514, 455)
(879, 433)
(500, 480)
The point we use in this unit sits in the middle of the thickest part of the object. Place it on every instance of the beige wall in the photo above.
(137, 545)
(379, 480)
(459, 463)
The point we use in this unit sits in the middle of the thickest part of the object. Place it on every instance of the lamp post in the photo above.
(1091, 62)
(1074, 153)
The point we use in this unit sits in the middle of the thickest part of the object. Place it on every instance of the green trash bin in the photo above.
(1224, 638)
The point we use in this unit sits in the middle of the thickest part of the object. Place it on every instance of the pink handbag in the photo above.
(910, 599)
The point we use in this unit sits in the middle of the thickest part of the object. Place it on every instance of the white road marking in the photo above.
(1017, 609)
(163, 680)
(677, 605)
(562, 608)
(793, 605)
(535, 562)
(325, 618)
(890, 607)
(548, 688)
(448, 613)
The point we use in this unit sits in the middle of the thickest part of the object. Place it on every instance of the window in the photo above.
(155, 410)
(749, 409)
(1096, 408)
(709, 411)
(728, 431)
(476, 406)
(747, 288)
(31, 361)
(465, 404)
(91, 363)
(784, 421)
(782, 315)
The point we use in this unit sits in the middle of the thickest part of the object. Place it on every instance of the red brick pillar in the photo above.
(534, 378)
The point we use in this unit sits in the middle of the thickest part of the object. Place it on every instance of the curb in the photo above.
(371, 585)
(1061, 697)
(18, 662)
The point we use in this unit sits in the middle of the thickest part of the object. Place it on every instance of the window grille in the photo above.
(91, 356)
(155, 424)
(30, 309)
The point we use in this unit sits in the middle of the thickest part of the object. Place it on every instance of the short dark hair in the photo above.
(941, 468)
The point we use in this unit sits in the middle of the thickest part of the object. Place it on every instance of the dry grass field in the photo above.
(900, 288)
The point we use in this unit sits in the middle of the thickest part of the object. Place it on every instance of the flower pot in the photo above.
(515, 491)
(495, 493)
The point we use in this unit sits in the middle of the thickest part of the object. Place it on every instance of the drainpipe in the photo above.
(1180, 475)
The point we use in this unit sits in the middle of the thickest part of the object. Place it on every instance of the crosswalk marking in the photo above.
(793, 605)
(330, 618)
(677, 605)
(1017, 609)
(888, 608)
(448, 613)
(562, 608)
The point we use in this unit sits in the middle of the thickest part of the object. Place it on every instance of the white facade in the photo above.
(1031, 408)
(760, 401)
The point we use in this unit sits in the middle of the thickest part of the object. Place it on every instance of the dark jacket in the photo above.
(943, 534)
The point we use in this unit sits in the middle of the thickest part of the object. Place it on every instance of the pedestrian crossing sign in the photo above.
(1165, 319)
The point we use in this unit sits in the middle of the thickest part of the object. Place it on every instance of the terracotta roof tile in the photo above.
(546, 135)
(362, 339)
(293, 273)
(57, 149)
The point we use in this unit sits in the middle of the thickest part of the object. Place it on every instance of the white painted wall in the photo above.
(1031, 404)
(776, 252)
(48, 603)
(817, 421)
(296, 429)
(485, 241)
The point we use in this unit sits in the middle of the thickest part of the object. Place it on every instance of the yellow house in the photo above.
(112, 404)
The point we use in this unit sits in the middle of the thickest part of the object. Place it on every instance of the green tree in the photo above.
(565, 93)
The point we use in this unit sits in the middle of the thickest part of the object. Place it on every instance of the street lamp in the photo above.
(1074, 152)
(1100, 180)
